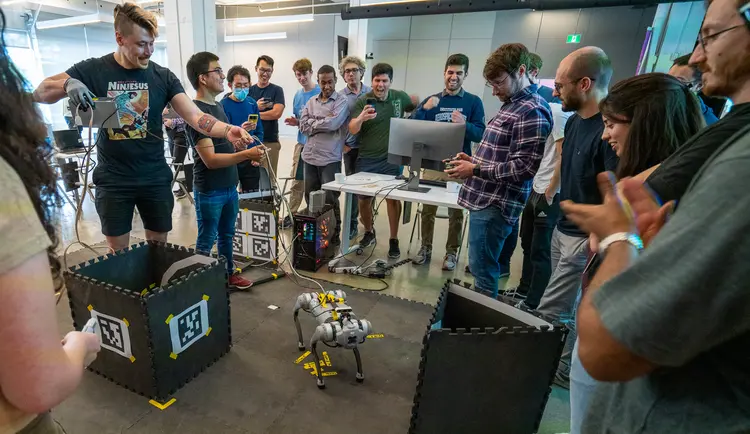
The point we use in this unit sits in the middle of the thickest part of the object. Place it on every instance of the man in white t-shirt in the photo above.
(540, 215)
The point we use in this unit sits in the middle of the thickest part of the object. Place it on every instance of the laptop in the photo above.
(68, 140)
(105, 114)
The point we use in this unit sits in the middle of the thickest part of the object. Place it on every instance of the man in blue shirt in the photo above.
(453, 104)
(535, 66)
(238, 107)
(303, 72)
(691, 76)
(352, 68)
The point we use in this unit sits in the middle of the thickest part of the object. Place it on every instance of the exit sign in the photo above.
(574, 39)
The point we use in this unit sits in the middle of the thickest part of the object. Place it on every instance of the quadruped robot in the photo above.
(337, 327)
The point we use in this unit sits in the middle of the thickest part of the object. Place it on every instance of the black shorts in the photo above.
(115, 208)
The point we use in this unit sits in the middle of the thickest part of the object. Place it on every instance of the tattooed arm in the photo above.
(206, 123)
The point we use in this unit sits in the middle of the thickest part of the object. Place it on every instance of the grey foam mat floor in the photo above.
(258, 388)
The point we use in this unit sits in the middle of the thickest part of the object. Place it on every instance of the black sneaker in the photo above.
(393, 252)
(367, 239)
(286, 223)
(353, 232)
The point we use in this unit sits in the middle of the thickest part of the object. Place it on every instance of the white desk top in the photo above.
(372, 184)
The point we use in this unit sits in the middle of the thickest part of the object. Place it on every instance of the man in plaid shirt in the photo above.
(499, 176)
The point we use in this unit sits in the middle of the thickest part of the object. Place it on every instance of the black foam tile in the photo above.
(333, 410)
(181, 419)
(245, 389)
(398, 317)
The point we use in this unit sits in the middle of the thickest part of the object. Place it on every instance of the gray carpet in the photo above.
(257, 387)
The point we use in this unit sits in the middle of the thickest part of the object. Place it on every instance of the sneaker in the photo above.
(367, 239)
(238, 282)
(393, 252)
(449, 262)
(423, 255)
(523, 306)
(503, 275)
(513, 293)
(353, 232)
(286, 223)
(466, 269)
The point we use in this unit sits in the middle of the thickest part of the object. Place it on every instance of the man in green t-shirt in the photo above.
(371, 120)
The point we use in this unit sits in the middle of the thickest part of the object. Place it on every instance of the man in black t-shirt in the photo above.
(215, 170)
(581, 82)
(131, 169)
(270, 98)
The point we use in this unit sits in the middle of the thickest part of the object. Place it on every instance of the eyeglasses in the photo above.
(351, 71)
(559, 86)
(265, 70)
(704, 40)
(242, 86)
(216, 70)
(498, 84)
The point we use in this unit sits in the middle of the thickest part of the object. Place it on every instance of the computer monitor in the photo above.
(423, 144)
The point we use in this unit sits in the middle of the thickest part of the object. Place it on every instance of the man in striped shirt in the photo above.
(498, 177)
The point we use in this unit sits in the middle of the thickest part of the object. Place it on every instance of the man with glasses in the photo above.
(725, 71)
(238, 107)
(131, 170)
(581, 82)
(690, 76)
(352, 68)
(270, 99)
(666, 329)
(302, 69)
(498, 177)
(215, 170)
(452, 104)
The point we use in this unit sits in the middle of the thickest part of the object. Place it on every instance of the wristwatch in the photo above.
(628, 237)
(476, 170)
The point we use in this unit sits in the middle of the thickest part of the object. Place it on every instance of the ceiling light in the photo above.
(282, 19)
(75, 21)
(377, 3)
(248, 2)
(12, 2)
(256, 37)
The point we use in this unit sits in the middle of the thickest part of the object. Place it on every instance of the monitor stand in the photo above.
(415, 169)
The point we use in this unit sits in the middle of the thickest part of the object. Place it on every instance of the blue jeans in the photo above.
(582, 388)
(487, 233)
(216, 212)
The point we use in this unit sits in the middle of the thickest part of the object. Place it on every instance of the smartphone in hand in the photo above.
(371, 102)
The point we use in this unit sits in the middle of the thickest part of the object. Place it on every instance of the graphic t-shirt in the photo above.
(270, 93)
(132, 155)
(584, 156)
(205, 179)
(373, 137)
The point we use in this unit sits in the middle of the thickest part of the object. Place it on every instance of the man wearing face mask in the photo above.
(324, 121)
(242, 110)
(690, 76)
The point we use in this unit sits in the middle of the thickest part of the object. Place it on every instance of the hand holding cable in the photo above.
(238, 136)
(79, 94)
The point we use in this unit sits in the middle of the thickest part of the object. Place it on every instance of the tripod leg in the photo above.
(360, 375)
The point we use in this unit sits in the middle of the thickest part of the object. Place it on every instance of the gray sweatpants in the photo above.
(568, 256)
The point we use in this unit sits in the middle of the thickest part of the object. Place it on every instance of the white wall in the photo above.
(417, 46)
(316, 40)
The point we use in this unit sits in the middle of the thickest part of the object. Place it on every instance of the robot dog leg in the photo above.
(337, 327)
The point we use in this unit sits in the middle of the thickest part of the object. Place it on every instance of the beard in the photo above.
(725, 80)
(571, 103)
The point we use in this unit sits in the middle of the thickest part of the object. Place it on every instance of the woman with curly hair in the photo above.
(37, 372)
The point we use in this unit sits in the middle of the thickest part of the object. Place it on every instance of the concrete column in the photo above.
(191, 28)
